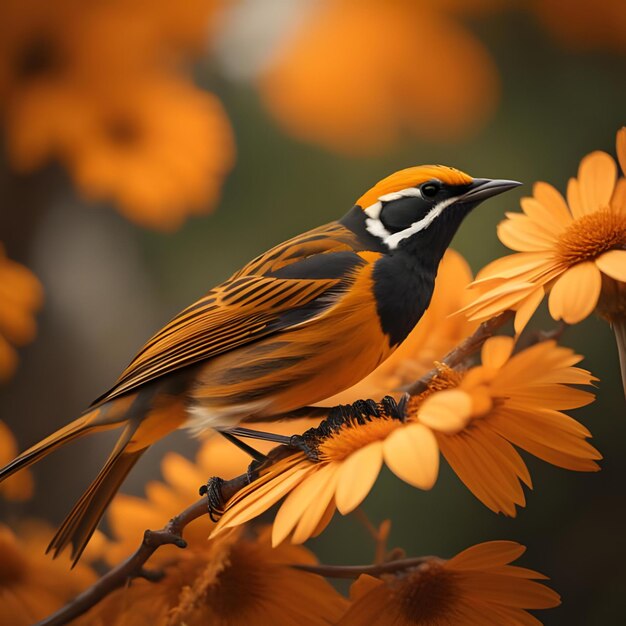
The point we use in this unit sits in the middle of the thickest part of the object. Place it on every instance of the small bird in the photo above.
(298, 324)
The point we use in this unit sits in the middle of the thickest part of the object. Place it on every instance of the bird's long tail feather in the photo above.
(80, 524)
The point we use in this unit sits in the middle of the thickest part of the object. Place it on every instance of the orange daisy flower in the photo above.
(20, 486)
(32, 585)
(474, 418)
(436, 334)
(21, 295)
(229, 581)
(161, 149)
(330, 84)
(477, 586)
(567, 248)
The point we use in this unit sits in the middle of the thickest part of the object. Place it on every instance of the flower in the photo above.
(135, 131)
(20, 486)
(474, 418)
(231, 580)
(32, 585)
(568, 249)
(355, 76)
(477, 586)
(161, 148)
(437, 333)
(21, 295)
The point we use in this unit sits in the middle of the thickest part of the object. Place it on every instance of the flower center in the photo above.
(353, 436)
(446, 378)
(122, 131)
(427, 594)
(589, 236)
(39, 56)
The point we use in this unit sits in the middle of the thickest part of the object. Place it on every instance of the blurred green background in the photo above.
(109, 284)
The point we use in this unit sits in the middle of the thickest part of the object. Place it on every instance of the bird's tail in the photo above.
(145, 420)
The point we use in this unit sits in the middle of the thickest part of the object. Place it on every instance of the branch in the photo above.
(354, 571)
(467, 347)
(132, 567)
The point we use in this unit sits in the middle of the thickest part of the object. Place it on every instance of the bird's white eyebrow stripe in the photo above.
(375, 227)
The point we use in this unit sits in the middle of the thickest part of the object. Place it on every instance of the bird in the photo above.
(301, 322)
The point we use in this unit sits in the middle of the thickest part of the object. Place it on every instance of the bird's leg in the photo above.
(230, 435)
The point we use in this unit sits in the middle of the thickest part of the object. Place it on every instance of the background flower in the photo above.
(21, 295)
(476, 586)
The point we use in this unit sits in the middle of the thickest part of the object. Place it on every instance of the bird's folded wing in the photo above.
(236, 313)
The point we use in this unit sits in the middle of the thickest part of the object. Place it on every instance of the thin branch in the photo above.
(354, 571)
(466, 348)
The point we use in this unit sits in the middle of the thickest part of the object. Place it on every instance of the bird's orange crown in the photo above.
(411, 177)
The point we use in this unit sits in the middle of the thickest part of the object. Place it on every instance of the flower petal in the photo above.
(357, 475)
(575, 294)
(446, 411)
(613, 264)
(412, 454)
(496, 351)
(527, 309)
(621, 148)
(596, 177)
(487, 555)
(551, 198)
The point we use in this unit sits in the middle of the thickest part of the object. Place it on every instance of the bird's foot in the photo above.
(215, 501)
(299, 442)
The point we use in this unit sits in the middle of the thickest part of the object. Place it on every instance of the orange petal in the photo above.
(527, 309)
(543, 216)
(613, 264)
(357, 475)
(412, 454)
(550, 198)
(575, 294)
(522, 235)
(487, 555)
(596, 177)
(496, 351)
(446, 411)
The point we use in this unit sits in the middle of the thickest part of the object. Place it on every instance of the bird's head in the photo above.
(422, 207)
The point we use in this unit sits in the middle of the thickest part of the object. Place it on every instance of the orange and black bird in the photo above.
(298, 324)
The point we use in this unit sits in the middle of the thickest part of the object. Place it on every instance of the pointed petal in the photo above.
(621, 148)
(527, 309)
(575, 294)
(550, 198)
(487, 555)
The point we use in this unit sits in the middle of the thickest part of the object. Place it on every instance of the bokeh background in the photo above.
(150, 148)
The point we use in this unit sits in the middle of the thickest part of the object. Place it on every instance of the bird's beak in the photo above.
(482, 188)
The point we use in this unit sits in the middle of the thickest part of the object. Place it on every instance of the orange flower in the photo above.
(98, 86)
(32, 585)
(585, 25)
(21, 295)
(477, 586)
(474, 418)
(161, 149)
(568, 248)
(229, 581)
(20, 486)
(356, 75)
(435, 335)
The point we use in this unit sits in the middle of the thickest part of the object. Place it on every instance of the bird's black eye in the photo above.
(430, 190)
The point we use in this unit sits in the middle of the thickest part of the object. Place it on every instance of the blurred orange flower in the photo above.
(20, 486)
(229, 581)
(358, 74)
(101, 87)
(565, 248)
(21, 295)
(477, 586)
(585, 25)
(435, 335)
(474, 418)
(32, 585)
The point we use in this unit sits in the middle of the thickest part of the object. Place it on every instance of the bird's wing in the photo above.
(240, 311)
